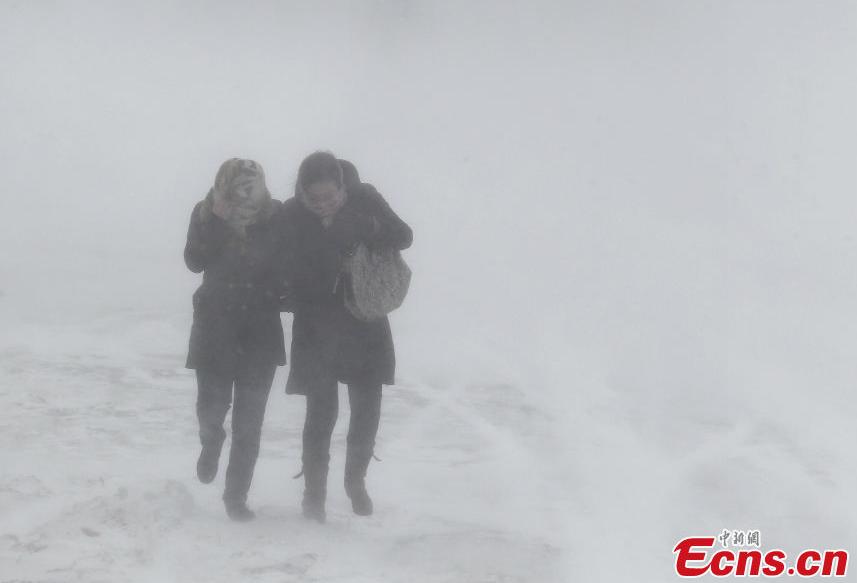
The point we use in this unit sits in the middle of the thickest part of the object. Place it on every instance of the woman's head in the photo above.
(240, 194)
(320, 185)
(319, 167)
(239, 180)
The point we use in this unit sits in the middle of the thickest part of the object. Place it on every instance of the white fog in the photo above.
(632, 313)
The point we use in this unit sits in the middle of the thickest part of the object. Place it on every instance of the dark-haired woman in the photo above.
(236, 340)
(330, 214)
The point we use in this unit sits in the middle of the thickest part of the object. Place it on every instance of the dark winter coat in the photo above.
(327, 341)
(236, 311)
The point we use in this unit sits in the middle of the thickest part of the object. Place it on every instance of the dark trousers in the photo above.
(252, 385)
(322, 409)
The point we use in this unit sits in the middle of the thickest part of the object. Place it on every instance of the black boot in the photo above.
(206, 465)
(356, 464)
(315, 491)
(238, 511)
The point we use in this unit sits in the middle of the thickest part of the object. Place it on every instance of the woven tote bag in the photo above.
(379, 282)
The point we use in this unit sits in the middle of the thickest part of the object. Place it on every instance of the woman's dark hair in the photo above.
(349, 173)
(319, 167)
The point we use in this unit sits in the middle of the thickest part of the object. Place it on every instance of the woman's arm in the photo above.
(391, 231)
(370, 220)
(284, 266)
(206, 236)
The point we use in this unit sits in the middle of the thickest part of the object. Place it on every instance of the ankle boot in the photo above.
(238, 511)
(315, 491)
(206, 465)
(356, 464)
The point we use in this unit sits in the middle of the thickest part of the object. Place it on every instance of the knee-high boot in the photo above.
(315, 489)
(365, 414)
(356, 463)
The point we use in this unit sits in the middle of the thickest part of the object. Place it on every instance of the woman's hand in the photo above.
(221, 208)
(286, 298)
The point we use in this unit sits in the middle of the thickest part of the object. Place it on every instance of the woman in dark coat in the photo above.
(237, 339)
(331, 213)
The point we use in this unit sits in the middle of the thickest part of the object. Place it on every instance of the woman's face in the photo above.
(323, 192)
(323, 197)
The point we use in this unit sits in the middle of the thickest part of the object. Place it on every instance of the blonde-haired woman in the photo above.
(236, 340)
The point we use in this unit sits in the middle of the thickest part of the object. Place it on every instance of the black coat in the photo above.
(327, 341)
(236, 310)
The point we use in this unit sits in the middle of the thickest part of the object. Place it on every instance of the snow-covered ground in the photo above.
(98, 443)
(548, 476)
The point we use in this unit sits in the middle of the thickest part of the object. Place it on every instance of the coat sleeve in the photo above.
(206, 237)
(391, 231)
(284, 265)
